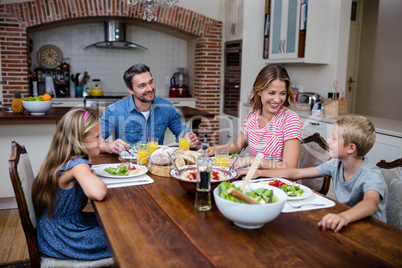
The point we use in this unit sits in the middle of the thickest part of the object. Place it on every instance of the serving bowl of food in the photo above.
(188, 178)
(250, 216)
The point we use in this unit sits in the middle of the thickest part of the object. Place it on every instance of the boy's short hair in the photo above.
(358, 130)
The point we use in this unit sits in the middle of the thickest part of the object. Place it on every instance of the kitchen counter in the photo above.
(55, 113)
(382, 125)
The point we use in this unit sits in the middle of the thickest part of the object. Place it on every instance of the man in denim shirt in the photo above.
(141, 116)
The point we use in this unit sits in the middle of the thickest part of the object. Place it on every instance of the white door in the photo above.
(353, 54)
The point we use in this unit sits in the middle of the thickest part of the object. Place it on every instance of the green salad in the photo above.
(120, 171)
(260, 195)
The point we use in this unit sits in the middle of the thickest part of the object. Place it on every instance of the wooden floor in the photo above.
(13, 245)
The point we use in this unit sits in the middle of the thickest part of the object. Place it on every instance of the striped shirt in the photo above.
(270, 139)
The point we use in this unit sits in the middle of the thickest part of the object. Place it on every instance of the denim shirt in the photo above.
(127, 123)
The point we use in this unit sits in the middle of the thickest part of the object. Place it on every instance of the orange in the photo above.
(46, 97)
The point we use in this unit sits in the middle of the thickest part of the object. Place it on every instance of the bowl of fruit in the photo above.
(38, 105)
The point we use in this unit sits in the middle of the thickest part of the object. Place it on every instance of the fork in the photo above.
(307, 204)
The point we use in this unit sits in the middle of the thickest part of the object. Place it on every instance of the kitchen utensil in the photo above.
(270, 197)
(251, 171)
(128, 151)
(174, 164)
(308, 204)
(234, 163)
(336, 89)
(239, 195)
(178, 84)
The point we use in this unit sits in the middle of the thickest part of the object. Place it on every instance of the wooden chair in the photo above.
(313, 152)
(392, 173)
(22, 178)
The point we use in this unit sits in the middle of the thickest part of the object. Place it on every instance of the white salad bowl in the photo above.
(248, 215)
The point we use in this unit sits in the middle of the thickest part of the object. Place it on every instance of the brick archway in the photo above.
(16, 18)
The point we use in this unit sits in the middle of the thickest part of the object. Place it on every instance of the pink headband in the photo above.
(85, 115)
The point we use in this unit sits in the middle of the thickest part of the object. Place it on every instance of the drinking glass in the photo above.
(184, 142)
(152, 145)
(222, 158)
(203, 191)
(142, 153)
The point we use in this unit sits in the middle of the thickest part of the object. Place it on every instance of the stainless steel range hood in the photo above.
(115, 37)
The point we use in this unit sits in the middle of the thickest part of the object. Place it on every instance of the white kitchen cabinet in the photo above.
(315, 126)
(229, 129)
(285, 30)
(36, 136)
(388, 148)
(234, 20)
(190, 102)
(73, 102)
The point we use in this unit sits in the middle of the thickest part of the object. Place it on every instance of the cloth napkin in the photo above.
(140, 180)
(126, 155)
(314, 199)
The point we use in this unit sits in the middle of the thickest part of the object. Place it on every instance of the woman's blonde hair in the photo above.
(359, 131)
(67, 144)
(268, 74)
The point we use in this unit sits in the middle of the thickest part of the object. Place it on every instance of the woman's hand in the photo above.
(241, 162)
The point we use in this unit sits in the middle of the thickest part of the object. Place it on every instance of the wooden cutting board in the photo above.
(162, 171)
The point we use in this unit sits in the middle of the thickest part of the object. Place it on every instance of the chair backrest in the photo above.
(392, 173)
(22, 178)
(313, 152)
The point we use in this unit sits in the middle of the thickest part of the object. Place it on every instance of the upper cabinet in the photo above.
(234, 20)
(299, 31)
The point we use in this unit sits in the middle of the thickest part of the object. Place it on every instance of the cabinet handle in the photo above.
(283, 46)
(57, 103)
(175, 102)
(229, 136)
(314, 124)
(236, 86)
(280, 46)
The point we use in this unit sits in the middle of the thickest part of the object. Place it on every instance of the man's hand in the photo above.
(116, 147)
(193, 139)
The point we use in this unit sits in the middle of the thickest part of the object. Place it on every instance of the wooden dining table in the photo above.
(156, 225)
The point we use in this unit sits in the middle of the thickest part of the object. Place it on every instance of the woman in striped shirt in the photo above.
(270, 127)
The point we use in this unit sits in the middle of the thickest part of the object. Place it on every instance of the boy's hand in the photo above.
(333, 222)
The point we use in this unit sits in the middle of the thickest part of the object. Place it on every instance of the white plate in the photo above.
(101, 172)
(307, 191)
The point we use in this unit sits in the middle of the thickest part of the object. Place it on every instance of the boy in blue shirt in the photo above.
(357, 183)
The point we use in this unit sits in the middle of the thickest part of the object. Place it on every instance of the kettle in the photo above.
(178, 87)
(96, 91)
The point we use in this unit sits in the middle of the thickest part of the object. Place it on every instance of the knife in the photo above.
(174, 164)
(234, 163)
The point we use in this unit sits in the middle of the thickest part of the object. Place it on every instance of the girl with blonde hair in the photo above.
(62, 188)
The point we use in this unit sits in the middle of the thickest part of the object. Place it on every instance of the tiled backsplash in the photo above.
(164, 55)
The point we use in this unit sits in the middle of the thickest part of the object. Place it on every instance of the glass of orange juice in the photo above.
(152, 145)
(184, 142)
(222, 158)
(142, 153)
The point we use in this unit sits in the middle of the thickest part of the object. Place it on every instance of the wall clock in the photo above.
(49, 56)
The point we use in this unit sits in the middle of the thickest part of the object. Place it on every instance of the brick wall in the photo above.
(16, 18)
